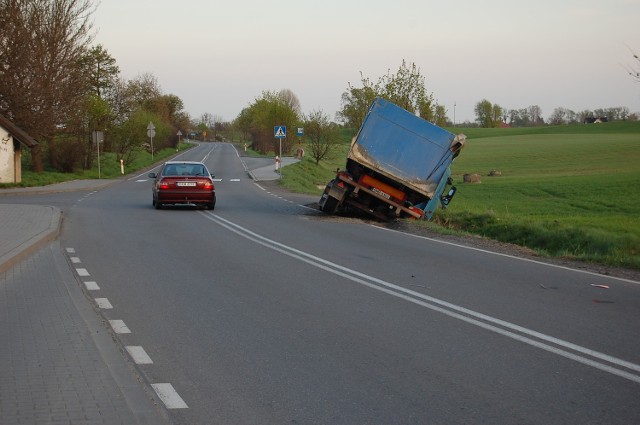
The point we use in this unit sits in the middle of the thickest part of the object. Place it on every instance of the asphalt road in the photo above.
(267, 312)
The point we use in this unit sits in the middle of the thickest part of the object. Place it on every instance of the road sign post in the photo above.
(300, 151)
(98, 137)
(151, 131)
(280, 132)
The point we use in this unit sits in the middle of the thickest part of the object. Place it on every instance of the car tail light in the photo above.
(163, 184)
(208, 185)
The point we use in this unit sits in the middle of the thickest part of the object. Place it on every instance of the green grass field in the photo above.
(567, 191)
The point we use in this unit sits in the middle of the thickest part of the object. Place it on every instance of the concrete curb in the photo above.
(33, 243)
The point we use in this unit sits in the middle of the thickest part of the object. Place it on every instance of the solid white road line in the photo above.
(138, 354)
(536, 339)
(169, 396)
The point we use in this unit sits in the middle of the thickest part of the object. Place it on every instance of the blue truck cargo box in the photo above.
(404, 147)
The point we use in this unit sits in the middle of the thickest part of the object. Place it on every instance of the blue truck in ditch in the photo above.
(398, 166)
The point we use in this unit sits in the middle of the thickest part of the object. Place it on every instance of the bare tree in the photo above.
(143, 90)
(321, 135)
(558, 117)
(42, 83)
(535, 113)
(212, 123)
(291, 100)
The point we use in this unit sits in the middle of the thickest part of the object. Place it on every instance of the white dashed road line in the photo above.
(103, 303)
(165, 391)
(119, 327)
(91, 286)
(138, 354)
(82, 272)
(169, 396)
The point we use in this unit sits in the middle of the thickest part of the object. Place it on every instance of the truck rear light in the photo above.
(417, 211)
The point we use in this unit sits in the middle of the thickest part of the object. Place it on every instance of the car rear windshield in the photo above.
(184, 170)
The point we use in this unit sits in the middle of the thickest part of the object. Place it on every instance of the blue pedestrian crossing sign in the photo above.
(280, 131)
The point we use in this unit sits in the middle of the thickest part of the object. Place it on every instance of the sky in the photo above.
(218, 56)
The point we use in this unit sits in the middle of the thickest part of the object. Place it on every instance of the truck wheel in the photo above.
(330, 205)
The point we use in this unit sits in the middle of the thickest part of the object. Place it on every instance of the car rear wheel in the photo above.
(157, 204)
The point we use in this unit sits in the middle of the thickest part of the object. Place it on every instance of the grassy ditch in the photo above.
(567, 191)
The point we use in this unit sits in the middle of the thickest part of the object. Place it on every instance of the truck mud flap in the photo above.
(332, 197)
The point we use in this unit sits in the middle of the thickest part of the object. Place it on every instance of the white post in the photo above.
(280, 165)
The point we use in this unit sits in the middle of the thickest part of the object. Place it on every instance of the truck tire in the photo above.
(330, 205)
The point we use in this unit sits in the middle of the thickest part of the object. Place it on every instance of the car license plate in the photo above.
(186, 184)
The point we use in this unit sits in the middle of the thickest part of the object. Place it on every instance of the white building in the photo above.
(12, 139)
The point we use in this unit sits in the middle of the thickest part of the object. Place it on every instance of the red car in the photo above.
(183, 183)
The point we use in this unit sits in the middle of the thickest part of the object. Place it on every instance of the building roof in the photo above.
(17, 133)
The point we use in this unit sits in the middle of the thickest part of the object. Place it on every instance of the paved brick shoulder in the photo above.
(53, 370)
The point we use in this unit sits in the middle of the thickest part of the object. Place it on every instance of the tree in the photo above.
(291, 100)
(143, 90)
(496, 115)
(355, 103)
(406, 88)
(96, 116)
(484, 113)
(131, 135)
(211, 123)
(259, 119)
(558, 117)
(101, 68)
(535, 114)
(42, 83)
(440, 116)
(525, 117)
(321, 135)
